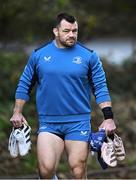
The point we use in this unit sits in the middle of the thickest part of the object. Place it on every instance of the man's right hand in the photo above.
(18, 120)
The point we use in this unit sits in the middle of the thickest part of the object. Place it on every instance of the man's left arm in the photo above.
(101, 93)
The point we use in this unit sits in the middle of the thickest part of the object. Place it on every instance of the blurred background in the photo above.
(106, 26)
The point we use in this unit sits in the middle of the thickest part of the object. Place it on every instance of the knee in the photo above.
(46, 171)
(79, 171)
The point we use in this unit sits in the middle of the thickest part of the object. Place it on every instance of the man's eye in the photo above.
(75, 30)
(65, 30)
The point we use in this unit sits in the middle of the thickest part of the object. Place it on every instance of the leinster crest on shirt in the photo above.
(77, 60)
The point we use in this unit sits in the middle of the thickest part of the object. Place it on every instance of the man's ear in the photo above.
(55, 31)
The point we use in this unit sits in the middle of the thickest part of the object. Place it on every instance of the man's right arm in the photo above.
(17, 118)
(22, 94)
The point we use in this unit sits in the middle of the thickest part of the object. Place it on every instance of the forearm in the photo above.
(105, 104)
(19, 104)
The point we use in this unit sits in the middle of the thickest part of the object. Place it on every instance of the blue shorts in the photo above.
(78, 131)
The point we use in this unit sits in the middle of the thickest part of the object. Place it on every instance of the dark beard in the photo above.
(65, 44)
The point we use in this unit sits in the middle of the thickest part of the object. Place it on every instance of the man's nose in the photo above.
(71, 34)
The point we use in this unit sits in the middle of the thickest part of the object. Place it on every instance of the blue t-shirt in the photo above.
(65, 78)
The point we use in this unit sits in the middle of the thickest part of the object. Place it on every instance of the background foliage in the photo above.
(32, 20)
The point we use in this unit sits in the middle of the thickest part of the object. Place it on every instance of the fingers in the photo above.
(24, 121)
(110, 129)
(109, 132)
(16, 123)
(17, 120)
(109, 126)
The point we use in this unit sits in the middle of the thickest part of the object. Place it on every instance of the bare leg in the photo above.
(77, 152)
(49, 151)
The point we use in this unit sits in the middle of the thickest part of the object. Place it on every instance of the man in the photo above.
(65, 72)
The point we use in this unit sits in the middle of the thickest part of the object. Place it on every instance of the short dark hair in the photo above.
(65, 16)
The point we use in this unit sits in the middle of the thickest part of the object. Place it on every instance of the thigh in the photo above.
(77, 152)
(49, 149)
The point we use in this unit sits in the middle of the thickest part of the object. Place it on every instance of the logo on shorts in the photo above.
(42, 127)
(83, 133)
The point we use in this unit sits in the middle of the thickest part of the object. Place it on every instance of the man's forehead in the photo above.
(67, 25)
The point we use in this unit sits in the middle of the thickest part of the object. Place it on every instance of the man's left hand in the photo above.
(108, 125)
